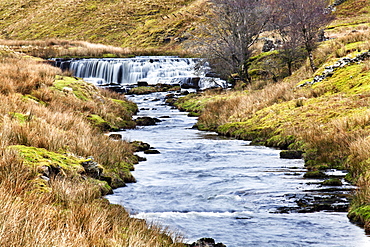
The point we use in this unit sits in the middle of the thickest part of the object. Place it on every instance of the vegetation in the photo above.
(232, 29)
(56, 162)
(152, 89)
(135, 25)
(53, 173)
(327, 121)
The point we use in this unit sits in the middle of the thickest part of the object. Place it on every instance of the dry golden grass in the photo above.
(71, 212)
(23, 76)
(51, 48)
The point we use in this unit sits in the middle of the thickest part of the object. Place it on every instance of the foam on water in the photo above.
(151, 70)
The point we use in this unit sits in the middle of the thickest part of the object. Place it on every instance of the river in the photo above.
(205, 185)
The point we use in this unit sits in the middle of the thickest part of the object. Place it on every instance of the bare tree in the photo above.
(299, 23)
(230, 31)
(291, 50)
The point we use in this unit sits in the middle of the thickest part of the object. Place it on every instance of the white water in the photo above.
(152, 70)
(203, 185)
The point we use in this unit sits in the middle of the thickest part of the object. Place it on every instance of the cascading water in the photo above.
(127, 72)
(205, 185)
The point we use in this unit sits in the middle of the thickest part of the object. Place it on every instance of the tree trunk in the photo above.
(289, 68)
(312, 64)
(244, 74)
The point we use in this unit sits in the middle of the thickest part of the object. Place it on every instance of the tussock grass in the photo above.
(66, 209)
(72, 214)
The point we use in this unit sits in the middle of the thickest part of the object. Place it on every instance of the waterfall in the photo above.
(129, 72)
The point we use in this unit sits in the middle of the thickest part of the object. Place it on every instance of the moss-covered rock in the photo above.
(332, 182)
(314, 174)
(360, 215)
(140, 146)
(152, 151)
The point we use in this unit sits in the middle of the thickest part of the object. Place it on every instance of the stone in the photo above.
(291, 154)
(67, 89)
(329, 70)
(268, 45)
(151, 151)
(116, 136)
(140, 146)
(139, 158)
(50, 171)
(314, 174)
(332, 182)
(146, 121)
(205, 242)
(142, 84)
(92, 168)
(192, 82)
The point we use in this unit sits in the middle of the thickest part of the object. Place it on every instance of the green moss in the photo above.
(192, 103)
(20, 116)
(263, 55)
(351, 79)
(130, 106)
(120, 174)
(80, 89)
(33, 98)
(314, 174)
(360, 215)
(109, 55)
(105, 188)
(39, 157)
(332, 182)
(152, 89)
(100, 122)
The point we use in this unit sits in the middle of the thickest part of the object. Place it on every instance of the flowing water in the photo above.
(204, 185)
(127, 72)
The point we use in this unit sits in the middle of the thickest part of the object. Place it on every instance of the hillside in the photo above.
(52, 172)
(50, 122)
(131, 23)
(324, 115)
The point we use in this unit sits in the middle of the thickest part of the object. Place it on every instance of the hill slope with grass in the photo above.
(324, 114)
(53, 173)
(56, 161)
(134, 24)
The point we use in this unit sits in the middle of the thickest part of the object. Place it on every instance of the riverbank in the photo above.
(56, 161)
(200, 180)
(324, 115)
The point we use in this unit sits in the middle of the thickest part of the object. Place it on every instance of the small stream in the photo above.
(205, 185)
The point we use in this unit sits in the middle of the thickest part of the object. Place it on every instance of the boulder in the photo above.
(146, 121)
(314, 174)
(92, 168)
(142, 84)
(291, 154)
(191, 82)
(205, 242)
(151, 151)
(268, 45)
(116, 136)
(140, 146)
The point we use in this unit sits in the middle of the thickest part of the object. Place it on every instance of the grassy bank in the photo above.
(328, 121)
(153, 25)
(56, 162)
